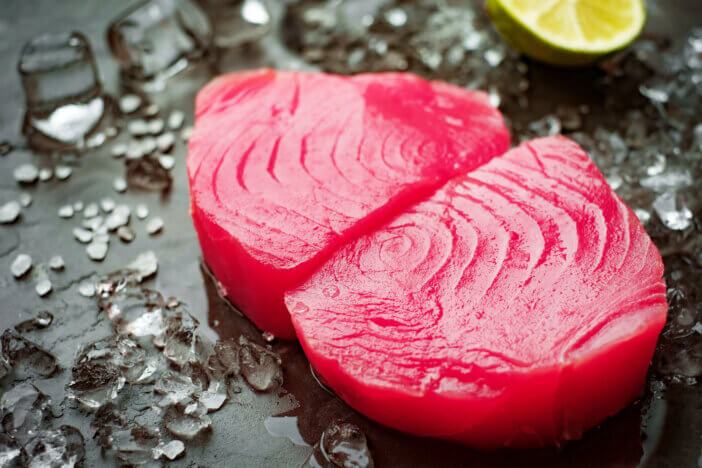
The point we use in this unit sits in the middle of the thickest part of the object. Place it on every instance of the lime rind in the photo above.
(527, 40)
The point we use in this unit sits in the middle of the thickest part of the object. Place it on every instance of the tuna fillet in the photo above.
(518, 306)
(286, 167)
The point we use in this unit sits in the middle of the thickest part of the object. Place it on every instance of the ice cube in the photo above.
(341, 444)
(176, 388)
(187, 422)
(171, 450)
(11, 452)
(260, 367)
(181, 343)
(135, 310)
(24, 408)
(215, 396)
(60, 448)
(64, 96)
(157, 39)
(672, 211)
(96, 378)
(26, 357)
(132, 443)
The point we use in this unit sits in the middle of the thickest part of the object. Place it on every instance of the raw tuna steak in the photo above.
(518, 306)
(286, 167)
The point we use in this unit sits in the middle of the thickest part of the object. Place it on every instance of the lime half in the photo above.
(568, 32)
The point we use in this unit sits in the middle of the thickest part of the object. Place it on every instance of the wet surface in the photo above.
(278, 425)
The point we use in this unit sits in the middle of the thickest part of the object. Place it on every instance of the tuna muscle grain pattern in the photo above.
(285, 168)
(519, 305)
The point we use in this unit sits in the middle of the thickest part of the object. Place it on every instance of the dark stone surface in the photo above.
(664, 432)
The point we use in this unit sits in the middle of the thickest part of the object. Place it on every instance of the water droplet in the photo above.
(86, 289)
(119, 185)
(97, 251)
(396, 17)
(21, 265)
(5, 148)
(142, 211)
(186, 133)
(494, 57)
(125, 234)
(165, 142)
(26, 174)
(63, 172)
(56, 263)
(45, 174)
(151, 110)
(82, 235)
(107, 205)
(154, 226)
(129, 103)
(119, 150)
(285, 426)
(25, 199)
(91, 210)
(156, 126)
(43, 287)
(66, 211)
(300, 308)
(9, 212)
(138, 127)
(167, 162)
(268, 337)
(176, 119)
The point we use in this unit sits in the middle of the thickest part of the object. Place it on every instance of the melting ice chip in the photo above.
(672, 211)
(65, 100)
(237, 22)
(341, 444)
(158, 39)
